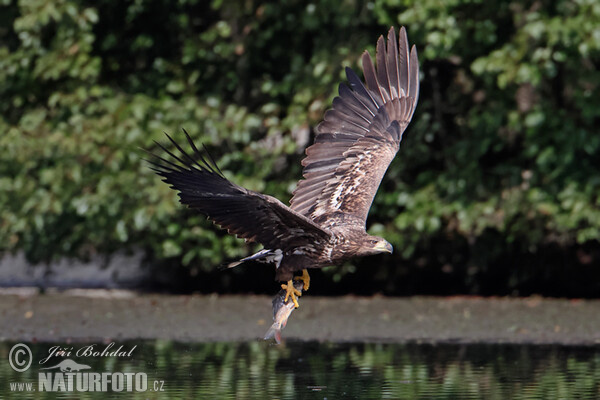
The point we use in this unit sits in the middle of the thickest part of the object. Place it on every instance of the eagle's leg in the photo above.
(292, 292)
(304, 278)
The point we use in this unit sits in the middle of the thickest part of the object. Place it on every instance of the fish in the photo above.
(281, 312)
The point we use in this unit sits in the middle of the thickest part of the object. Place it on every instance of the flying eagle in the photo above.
(325, 223)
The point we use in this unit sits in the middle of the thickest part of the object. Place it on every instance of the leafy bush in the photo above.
(498, 172)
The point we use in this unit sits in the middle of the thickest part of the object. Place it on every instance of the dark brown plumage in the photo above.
(353, 148)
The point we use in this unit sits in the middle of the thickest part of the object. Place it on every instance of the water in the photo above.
(300, 370)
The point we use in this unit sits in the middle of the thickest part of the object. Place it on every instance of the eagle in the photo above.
(325, 223)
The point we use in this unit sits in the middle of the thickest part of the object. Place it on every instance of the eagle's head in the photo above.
(375, 245)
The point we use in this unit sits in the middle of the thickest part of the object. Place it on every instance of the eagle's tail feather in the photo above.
(265, 255)
(234, 264)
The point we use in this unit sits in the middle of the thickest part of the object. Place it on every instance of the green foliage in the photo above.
(503, 141)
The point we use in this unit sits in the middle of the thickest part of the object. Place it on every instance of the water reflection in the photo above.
(257, 370)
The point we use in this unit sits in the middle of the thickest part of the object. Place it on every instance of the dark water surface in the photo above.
(305, 370)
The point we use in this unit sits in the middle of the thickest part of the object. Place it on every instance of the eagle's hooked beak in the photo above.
(384, 246)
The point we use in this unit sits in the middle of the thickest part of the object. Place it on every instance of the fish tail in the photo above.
(274, 332)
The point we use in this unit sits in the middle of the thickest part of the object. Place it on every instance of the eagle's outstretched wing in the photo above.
(360, 135)
(245, 213)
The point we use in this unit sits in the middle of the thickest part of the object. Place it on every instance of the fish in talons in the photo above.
(282, 309)
(291, 292)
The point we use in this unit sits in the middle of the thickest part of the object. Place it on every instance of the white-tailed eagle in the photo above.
(325, 223)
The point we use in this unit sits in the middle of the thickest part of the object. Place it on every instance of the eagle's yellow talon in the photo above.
(292, 292)
(304, 278)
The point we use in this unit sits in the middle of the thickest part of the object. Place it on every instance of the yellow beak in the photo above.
(384, 246)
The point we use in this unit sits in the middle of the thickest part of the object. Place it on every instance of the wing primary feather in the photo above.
(330, 128)
(199, 154)
(403, 67)
(350, 102)
(212, 160)
(371, 77)
(172, 155)
(192, 160)
(382, 74)
(163, 160)
(191, 142)
(392, 63)
(160, 168)
(413, 90)
(346, 105)
(358, 86)
(324, 136)
(335, 118)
